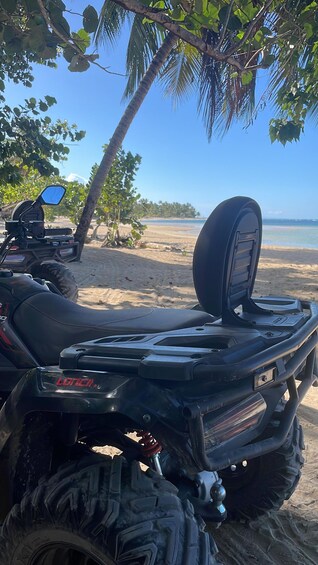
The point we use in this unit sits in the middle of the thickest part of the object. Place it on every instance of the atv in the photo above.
(206, 399)
(39, 251)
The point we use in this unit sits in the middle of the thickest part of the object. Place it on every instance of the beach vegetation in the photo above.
(31, 185)
(117, 203)
(28, 136)
(36, 31)
(148, 209)
(116, 206)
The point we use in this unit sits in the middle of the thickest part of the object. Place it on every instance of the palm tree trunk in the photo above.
(119, 135)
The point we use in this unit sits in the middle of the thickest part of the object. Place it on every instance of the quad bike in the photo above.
(211, 396)
(37, 250)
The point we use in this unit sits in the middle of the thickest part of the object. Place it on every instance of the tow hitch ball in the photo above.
(218, 494)
(210, 496)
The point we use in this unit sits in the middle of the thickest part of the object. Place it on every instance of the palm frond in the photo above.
(181, 71)
(221, 95)
(111, 20)
(313, 112)
(238, 101)
(210, 87)
(144, 41)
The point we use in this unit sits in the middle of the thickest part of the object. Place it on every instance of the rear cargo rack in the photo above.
(210, 369)
(221, 353)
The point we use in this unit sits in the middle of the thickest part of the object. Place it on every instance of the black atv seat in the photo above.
(48, 323)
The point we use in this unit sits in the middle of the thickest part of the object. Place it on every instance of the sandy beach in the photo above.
(159, 274)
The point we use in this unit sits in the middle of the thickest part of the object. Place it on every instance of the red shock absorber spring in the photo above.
(150, 446)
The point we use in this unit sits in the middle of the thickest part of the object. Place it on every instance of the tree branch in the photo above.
(250, 28)
(228, 15)
(166, 22)
(69, 41)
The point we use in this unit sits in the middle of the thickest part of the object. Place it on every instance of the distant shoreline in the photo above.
(266, 221)
(292, 234)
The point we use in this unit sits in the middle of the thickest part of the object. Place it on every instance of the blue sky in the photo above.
(178, 163)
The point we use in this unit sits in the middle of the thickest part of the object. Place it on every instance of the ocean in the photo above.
(281, 233)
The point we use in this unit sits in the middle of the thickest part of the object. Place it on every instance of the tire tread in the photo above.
(116, 507)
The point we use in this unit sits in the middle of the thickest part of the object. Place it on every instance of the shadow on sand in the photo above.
(285, 537)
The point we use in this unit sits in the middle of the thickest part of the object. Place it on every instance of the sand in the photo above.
(160, 275)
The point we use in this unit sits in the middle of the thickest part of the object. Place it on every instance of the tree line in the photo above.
(148, 209)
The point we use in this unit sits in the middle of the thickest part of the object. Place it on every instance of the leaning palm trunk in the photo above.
(119, 135)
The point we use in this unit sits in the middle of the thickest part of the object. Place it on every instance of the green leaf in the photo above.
(200, 6)
(258, 37)
(285, 131)
(56, 5)
(90, 19)
(61, 24)
(315, 47)
(82, 39)
(50, 100)
(146, 21)
(309, 30)
(246, 77)
(43, 107)
(247, 13)
(268, 60)
(212, 11)
(48, 52)
(266, 31)
(234, 22)
(32, 5)
(178, 14)
(78, 64)
(69, 53)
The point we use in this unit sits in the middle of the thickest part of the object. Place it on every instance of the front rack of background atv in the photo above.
(220, 374)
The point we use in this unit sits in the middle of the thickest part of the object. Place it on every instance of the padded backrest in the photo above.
(226, 255)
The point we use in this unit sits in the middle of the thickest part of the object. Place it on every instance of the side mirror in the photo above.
(51, 195)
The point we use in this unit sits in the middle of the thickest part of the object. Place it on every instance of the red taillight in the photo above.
(14, 259)
(242, 417)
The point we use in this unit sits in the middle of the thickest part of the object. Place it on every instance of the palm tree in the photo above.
(153, 53)
(111, 20)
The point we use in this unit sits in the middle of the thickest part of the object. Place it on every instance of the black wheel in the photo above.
(104, 512)
(255, 487)
(60, 275)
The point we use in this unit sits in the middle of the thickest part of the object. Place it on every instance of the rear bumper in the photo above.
(181, 426)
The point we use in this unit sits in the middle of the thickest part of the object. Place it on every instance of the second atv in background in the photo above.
(34, 249)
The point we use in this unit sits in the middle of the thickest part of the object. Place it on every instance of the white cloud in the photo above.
(271, 213)
(73, 176)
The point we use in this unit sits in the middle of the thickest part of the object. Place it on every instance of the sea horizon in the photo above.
(276, 232)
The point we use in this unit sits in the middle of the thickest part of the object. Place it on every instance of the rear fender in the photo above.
(87, 393)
